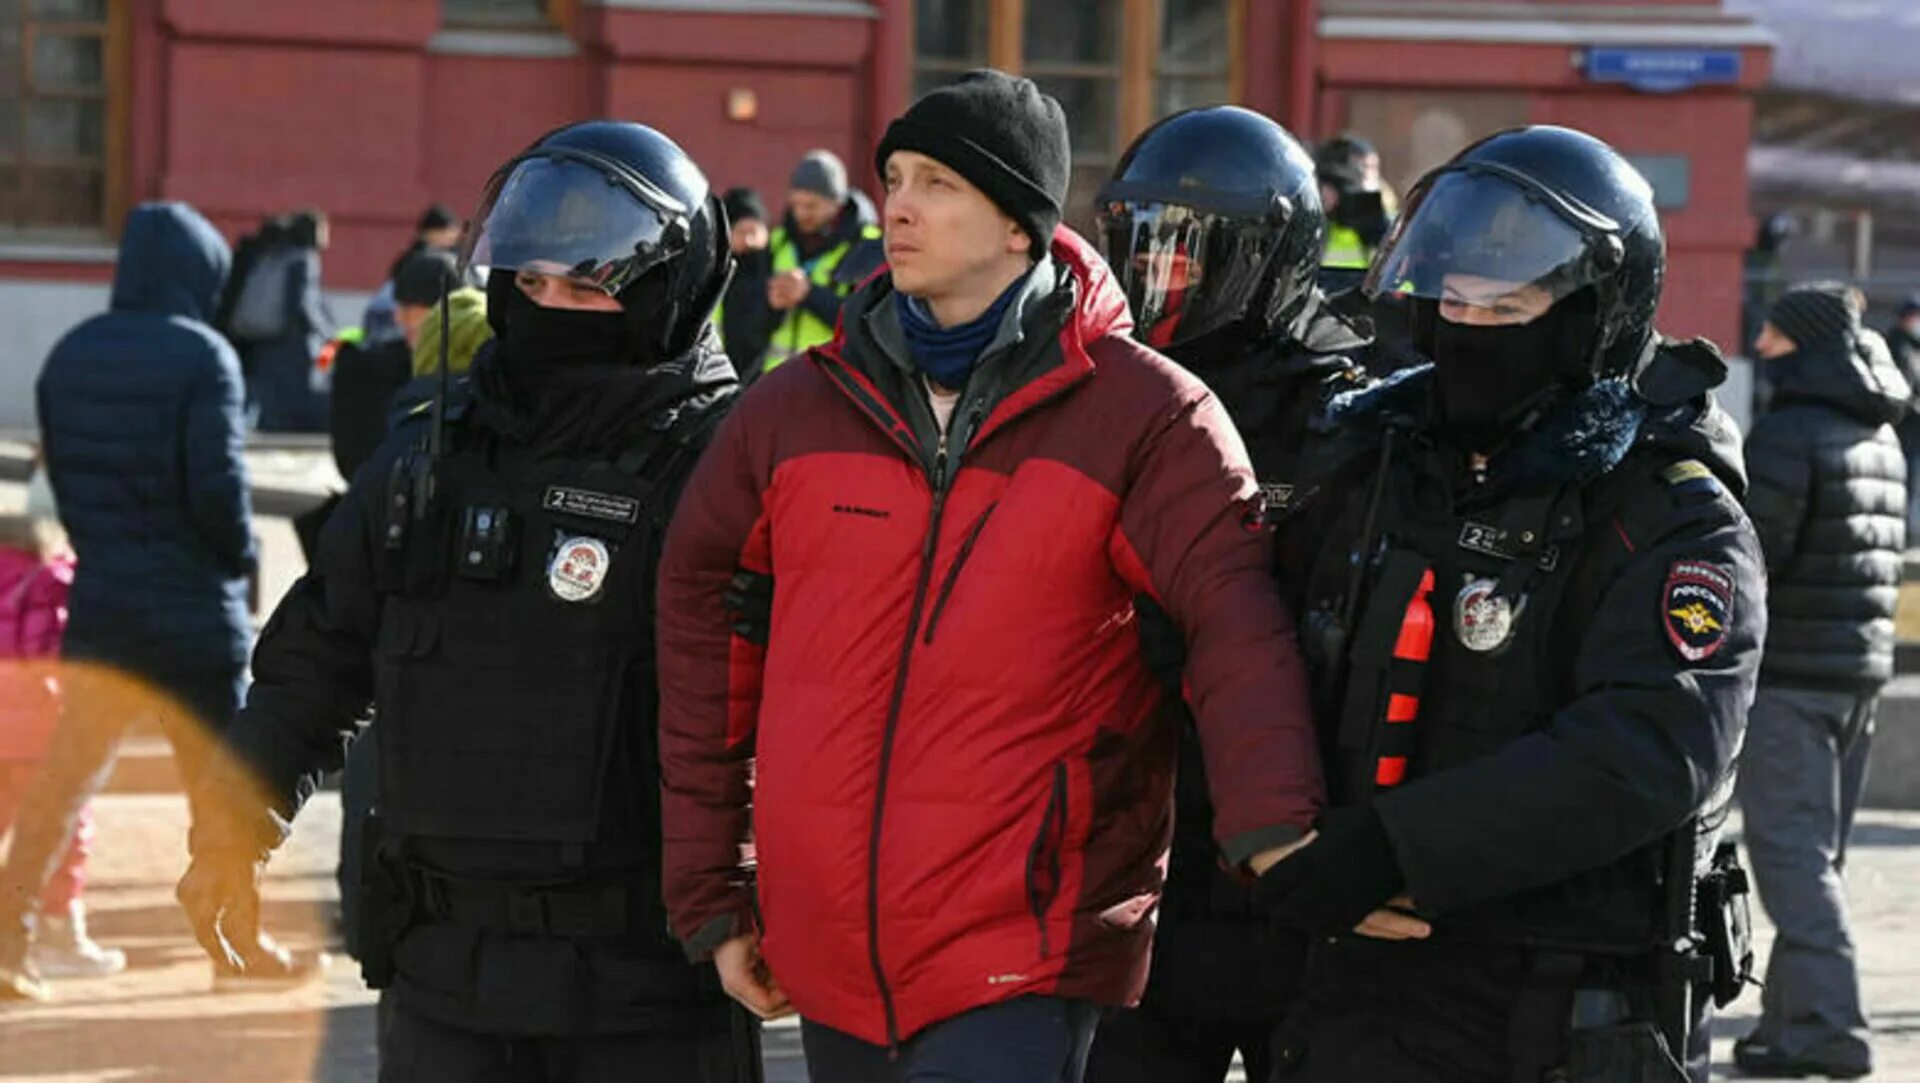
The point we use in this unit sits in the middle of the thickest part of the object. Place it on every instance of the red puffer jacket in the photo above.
(962, 781)
(33, 614)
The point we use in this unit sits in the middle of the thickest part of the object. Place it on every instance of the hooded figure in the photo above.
(166, 550)
(140, 412)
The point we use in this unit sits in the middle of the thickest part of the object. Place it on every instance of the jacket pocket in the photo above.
(953, 573)
(1044, 856)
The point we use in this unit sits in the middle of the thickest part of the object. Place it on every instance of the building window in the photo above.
(493, 14)
(58, 130)
(1115, 65)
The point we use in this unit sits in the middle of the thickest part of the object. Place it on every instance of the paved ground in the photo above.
(160, 1022)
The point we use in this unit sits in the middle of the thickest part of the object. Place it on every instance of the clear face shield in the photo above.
(1186, 271)
(568, 213)
(1489, 249)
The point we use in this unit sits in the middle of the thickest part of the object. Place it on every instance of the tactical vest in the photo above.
(800, 329)
(514, 662)
(1512, 589)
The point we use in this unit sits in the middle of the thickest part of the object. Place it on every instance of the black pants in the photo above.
(417, 1049)
(1031, 1039)
(1143, 1046)
(1425, 1013)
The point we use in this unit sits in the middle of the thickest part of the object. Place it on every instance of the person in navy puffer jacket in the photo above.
(140, 414)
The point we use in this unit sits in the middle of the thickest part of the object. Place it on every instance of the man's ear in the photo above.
(1019, 241)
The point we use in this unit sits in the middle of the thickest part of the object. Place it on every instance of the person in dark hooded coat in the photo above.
(1829, 500)
(140, 411)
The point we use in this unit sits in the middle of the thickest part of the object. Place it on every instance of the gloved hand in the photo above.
(221, 895)
(1333, 883)
(749, 598)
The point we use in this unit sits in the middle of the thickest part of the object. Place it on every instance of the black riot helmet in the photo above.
(617, 206)
(1546, 208)
(1212, 217)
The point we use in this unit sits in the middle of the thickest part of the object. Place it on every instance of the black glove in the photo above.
(749, 598)
(1162, 645)
(1335, 881)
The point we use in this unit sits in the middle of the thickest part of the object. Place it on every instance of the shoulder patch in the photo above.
(1690, 477)
(1697, 608)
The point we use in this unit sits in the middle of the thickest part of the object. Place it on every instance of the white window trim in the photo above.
(1543, 31)
(528, 44)
(26, 251)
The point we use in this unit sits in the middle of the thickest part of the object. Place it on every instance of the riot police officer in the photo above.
(1212, 222)
(1534, 609)
(487, 588)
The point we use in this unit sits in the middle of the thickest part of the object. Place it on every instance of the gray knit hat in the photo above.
(822, 173)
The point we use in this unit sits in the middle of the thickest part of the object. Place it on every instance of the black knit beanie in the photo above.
(1815, 316)
(1001, 133)
(743, 203)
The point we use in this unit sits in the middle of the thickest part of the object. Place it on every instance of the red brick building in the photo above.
(370, 109)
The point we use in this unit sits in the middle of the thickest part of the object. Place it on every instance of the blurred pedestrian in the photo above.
(1828, 498)
(466, 312)
(36, 576)
(1903, 340)
(438, 228)
(280, 324)
(827, 243)
(140, 410)
(746, 321)
(1356, 202)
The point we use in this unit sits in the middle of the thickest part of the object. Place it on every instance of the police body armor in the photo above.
(513, 670)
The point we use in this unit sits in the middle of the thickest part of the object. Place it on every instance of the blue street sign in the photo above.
(1662, 71)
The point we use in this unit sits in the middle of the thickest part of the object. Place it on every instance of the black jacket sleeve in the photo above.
(1641, 746)
(312, 685)
(1780, 480)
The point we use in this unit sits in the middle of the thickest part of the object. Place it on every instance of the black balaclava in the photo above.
(534, 338)
(1490, 383)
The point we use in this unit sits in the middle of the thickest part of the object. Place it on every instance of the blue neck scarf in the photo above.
(947, 354)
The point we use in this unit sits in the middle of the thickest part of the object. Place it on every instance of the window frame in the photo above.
(1138, 69)
(113, 31)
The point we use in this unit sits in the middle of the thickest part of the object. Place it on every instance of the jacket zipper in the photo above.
(953, 573)
(929, 547)
(938, 475)
(1043, 857)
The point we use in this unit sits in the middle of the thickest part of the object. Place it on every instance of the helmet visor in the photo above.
(1185, 271)
(1488, 250)
(568, 217)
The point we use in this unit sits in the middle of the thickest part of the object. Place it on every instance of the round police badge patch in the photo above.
(578, 569)
(1697, 607)
(1481, 618)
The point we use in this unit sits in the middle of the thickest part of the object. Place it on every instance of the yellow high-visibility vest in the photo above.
(800, 329)
(1345, 249)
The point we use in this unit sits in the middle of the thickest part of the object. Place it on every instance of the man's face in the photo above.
(443, 237)
(1910, 323)
(559, 291)
(1474, 301)
(812, 212)
(410, 319)
(1773, 343)
(940, 229)
(747, 235)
